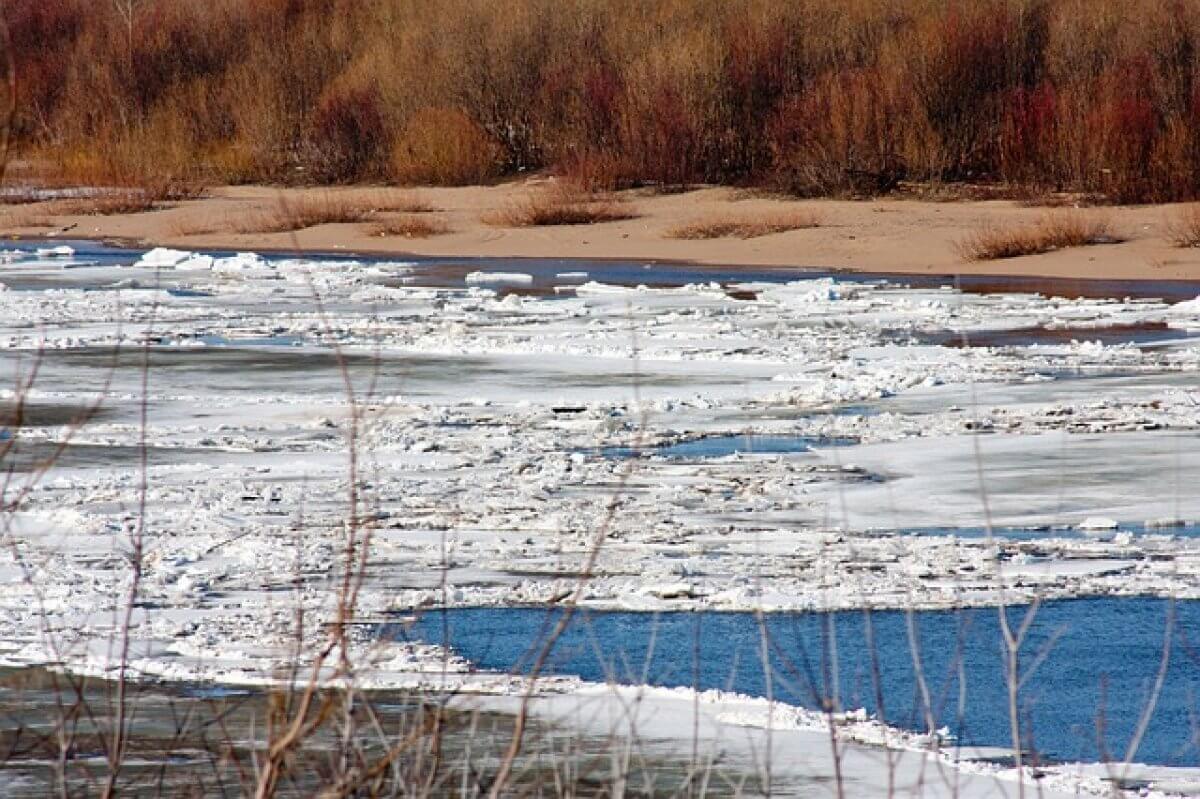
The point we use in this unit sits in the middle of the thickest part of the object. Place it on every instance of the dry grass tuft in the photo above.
(410, 227)
(1055, 231)
(136, 199)
(32, 217)
(122, 201)
(1183, 228)
(328, 208)
(401, 202)
(306, 211)
(745, 228)
(561, 204)
(185, 226)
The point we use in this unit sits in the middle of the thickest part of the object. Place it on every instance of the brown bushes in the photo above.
(1055, 231)
(815, 97)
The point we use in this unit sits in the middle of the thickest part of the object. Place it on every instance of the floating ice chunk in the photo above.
(62, 251)
(197, 262)
(163, 257)
(1186, 307)
(592, 287)
(499, 279)
(571, 277)
(240, 263)
(1098, 523)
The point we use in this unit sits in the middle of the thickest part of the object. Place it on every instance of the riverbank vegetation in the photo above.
(816, 97)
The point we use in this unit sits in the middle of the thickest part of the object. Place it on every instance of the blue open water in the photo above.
(1098, 662)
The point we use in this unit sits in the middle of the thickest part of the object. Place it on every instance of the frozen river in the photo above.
(714, 439)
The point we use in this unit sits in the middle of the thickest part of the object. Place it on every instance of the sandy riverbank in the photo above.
(892, 235)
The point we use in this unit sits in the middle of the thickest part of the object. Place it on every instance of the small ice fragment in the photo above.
(1098, 523)
(571, 277)
(163, 257)
(62, 251)
(499, 279)
(242, 262)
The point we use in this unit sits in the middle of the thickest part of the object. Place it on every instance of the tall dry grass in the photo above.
(816, 97)
(1054, 231)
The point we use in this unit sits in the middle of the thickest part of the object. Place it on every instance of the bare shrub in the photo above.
(745, 228)
(596, 171)
(561, 204)
(1055, 231)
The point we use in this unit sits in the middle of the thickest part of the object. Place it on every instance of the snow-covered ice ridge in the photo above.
(484, 416)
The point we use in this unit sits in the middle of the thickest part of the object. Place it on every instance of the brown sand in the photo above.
(893, 235)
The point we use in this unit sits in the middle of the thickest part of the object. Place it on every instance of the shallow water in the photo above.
(202, 740)
(1101, 657)
(550, 272)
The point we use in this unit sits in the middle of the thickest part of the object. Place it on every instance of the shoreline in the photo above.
(886, 237)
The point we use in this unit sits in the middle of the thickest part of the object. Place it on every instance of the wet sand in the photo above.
(888, 236)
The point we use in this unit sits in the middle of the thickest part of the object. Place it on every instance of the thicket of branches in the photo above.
(813, 97)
